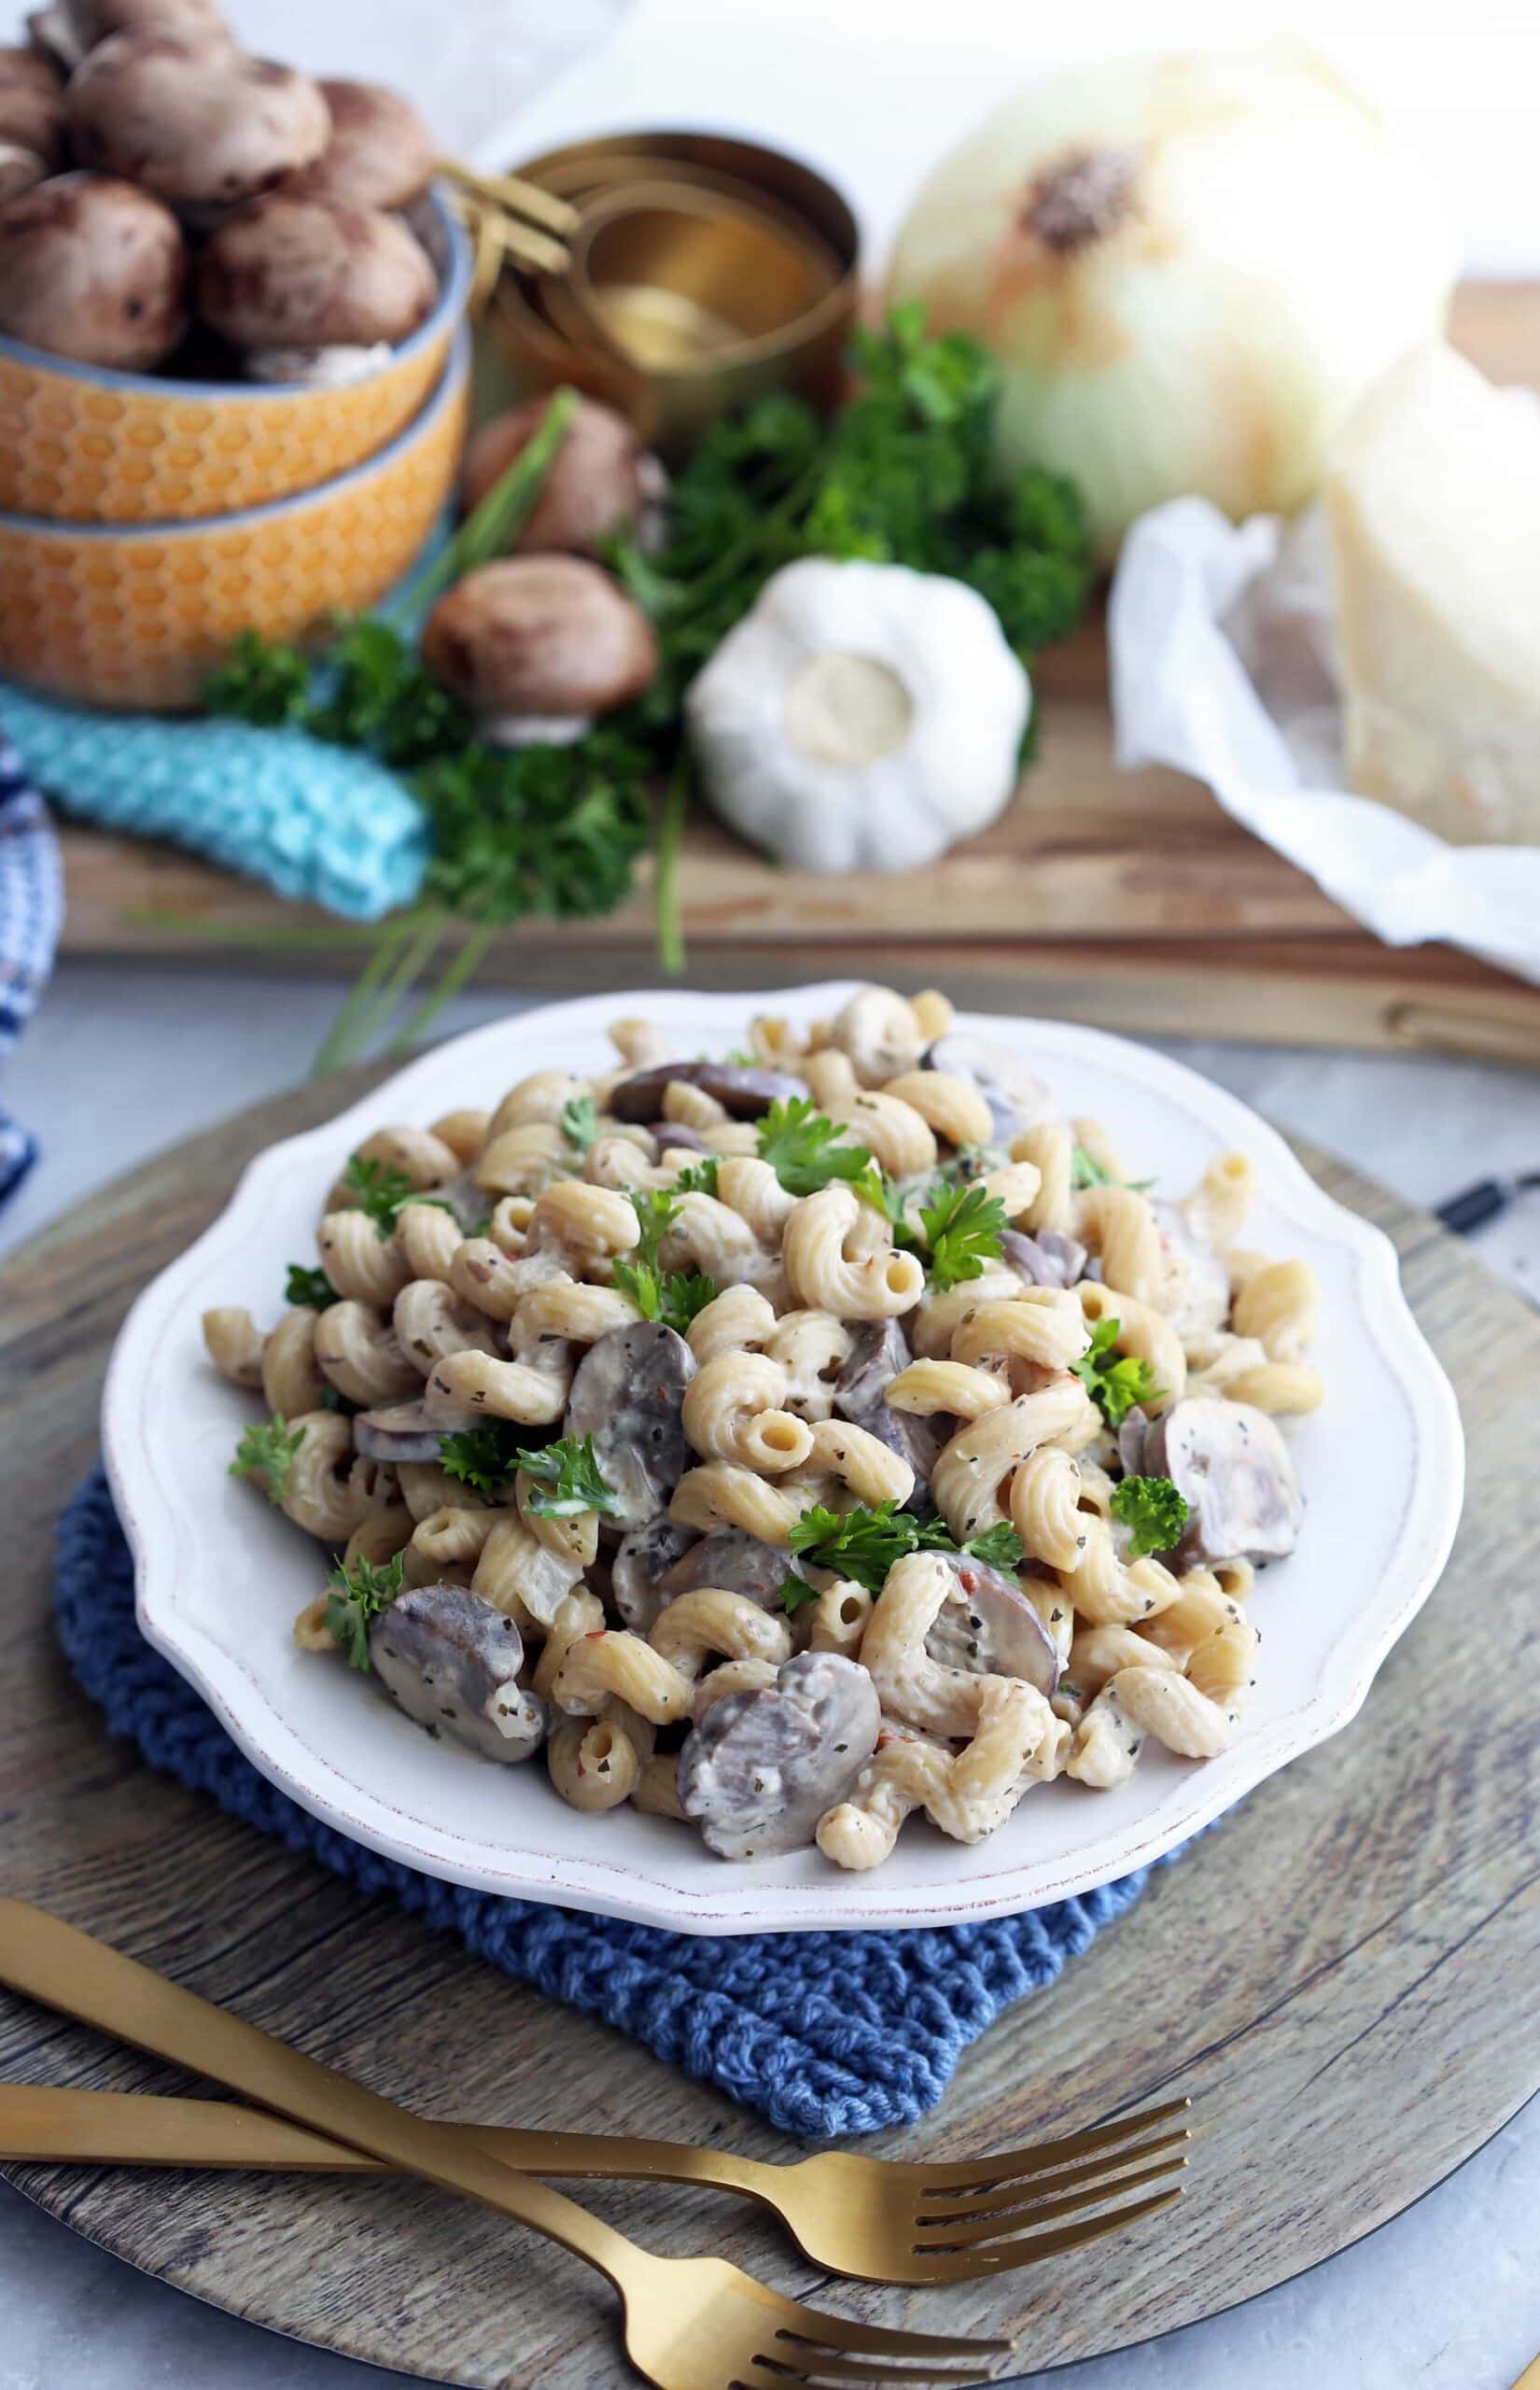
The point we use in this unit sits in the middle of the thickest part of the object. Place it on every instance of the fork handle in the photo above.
(73, 1972)
(145, 2129)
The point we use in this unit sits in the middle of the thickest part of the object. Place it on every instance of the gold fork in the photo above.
(874, 2219)
(689, 2323)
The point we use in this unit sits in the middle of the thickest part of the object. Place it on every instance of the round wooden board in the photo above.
(1342, 1978)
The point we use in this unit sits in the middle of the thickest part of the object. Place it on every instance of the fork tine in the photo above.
(811, 2325)
(1005, 2256)
(1026, 2191)
(818, 2366)
(980, 2230)
(984, 2173)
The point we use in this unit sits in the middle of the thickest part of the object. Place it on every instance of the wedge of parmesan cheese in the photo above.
(1432, 500)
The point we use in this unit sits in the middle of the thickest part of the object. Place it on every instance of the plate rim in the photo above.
(842, 1904)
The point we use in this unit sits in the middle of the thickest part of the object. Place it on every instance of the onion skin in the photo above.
(1188, 269)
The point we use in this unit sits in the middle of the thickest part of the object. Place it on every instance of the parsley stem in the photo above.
(461, 968)
(491, 528)
(412, 961)
(336, 1047)
(665, 893)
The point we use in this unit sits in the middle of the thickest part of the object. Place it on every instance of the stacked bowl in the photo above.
(145, 519)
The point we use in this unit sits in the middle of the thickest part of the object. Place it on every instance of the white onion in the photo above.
(1188, 269)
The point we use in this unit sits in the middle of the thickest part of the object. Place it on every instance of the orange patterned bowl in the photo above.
(135, 617)
(80, 443)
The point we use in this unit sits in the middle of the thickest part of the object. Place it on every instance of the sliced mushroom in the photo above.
(399, 1431)
(743, 1090)
(452, 1662)
(878, 1351)
(643, 1558)
(305, 273)
(193, 119)
(380, 154)
(1050, 1258)
(669, 1133)
(988, 1627)
(92, 269)
(1198, 1301)
(551, 636)
(628, 1394)
(739, 1563)
(761, 1767)
(595, 487)
(1017, 1097)
(1234, 1472)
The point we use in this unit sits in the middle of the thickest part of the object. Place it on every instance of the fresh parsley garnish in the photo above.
(1153, 1509)
(674, 1297)
(309, 1289)
(794, 1592)
(863, 1544)
(483, 1456)
(360, 1591)
(571, 1473)
(698, 1178)
(581, 1122)
(806, 1151)
(266, 1454)
(657, 1208)
(1115, 1381)
(382, 1192)
(963, 1228)
(1085, 1171)
(741, 1059)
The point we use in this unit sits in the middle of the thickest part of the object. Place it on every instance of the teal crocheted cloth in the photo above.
(824, 2034)
(312, 820)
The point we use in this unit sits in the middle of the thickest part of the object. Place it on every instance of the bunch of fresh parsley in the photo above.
(863, 1544)
(900, 474)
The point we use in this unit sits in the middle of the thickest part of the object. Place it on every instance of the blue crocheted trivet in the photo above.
(313, 821)
(824, 2034)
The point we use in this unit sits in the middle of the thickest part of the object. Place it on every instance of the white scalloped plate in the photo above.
(221, 1575)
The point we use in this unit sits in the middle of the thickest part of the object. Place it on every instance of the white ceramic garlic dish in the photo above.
(221, 1575)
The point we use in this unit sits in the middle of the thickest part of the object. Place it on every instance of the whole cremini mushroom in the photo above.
(380, 154)
(193, 119)
(597, 484)
(32, 106)
(549, 637)
(78, 25)
(94, 269)
(302, 274)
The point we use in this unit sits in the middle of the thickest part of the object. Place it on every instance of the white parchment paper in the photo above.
(1222, 665)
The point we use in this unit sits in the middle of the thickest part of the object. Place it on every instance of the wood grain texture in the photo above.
(1126, 899)
(1343, 1976)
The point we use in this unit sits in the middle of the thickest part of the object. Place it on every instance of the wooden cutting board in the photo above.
(1345, 1977)
(1126, 899)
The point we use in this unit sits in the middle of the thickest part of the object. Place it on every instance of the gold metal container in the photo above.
(707, 271)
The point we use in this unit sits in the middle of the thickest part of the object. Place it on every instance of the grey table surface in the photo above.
(121, 1063)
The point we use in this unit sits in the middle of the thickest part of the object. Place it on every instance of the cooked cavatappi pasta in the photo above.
(788, 1443)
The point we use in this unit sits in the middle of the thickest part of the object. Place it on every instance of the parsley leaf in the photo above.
(863, 1544)
(581, 1122)
(361, 1592)
(483, 1456)
(572, 1473)
(1115, 1381)
(794, 1592)
(383, 1192)
(657, 1208)
(266, 1454)
(803, 1149)
(309, 1289)
(1153, 1509)
(999, 1547)
(698, 1178)
(674, 1299)
(963, 1226)
(263, 682)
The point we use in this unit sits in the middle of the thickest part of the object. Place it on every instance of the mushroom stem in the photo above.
(494, 526)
